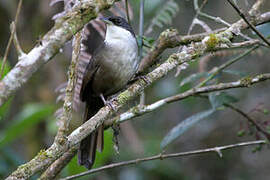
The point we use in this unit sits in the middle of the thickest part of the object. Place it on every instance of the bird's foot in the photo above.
(108, 102)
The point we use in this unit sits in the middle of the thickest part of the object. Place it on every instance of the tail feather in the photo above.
(94, 141)
(100, 139)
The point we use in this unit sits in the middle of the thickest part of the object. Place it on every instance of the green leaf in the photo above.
(25, 120)
(165, 14)
(218, 99)
(4, 109)
(184, 126)
(241, 133)
(6, 69)
(193, 78)
(148, 41)
(265, 111)
(264, 29)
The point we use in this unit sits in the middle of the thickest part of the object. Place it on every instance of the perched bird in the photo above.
(112, 65)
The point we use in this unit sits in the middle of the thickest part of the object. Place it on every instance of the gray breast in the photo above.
(118, 63)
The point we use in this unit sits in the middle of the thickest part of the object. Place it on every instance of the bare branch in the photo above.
(165, 156)
(127, 11)
(171, 39)
(10, 38)
(141, 110)
(16, 41)
(252, 121)
(239, 11)
(225, 65)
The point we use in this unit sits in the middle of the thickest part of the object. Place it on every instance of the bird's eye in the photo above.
(117, 21)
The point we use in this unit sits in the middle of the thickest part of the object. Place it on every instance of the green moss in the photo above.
(43, 154)
(23, 170)
(136, 110)
(168, 33)
(246, 81)
(195, 56)
(212, 42)
(173, 58)
(123, 97)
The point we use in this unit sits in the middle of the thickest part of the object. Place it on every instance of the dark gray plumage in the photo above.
(112, 65)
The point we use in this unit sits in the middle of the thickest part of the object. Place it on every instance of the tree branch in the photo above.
(59, 164)
(241, 14)
(66, 115)
(165, 156)
(194, 51)
(250, 120)
(171, 38)
(10, 38)
(64, 28)
(225, 65)
(141, 110)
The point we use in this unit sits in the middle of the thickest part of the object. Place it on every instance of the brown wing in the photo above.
(89, 73)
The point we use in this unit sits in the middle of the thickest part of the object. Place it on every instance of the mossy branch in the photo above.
(49, 45)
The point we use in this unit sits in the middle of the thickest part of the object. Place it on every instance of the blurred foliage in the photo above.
(25, 120)
(27, 123)
(185, 125)
(264, 29)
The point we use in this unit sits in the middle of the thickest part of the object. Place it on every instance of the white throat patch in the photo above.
(115, 33)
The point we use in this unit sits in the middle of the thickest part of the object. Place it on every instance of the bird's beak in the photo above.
(106, 21)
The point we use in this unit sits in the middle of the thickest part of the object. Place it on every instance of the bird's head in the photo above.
(116, 24)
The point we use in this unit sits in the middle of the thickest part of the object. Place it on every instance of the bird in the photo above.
(113, 64)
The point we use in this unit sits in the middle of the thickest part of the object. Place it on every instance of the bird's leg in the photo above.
(109, 103)
(143, 77)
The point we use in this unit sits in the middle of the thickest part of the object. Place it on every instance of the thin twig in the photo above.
(141, 28)
(173, 39)
(10, 39)
(241, 14)
(141, 32)
(225, 65)
(165, 156)
(215, 19)
(252, 121)
(16, 41)
(127, 11)
(198, 9)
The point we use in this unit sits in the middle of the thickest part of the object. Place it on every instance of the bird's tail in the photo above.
(94, 141)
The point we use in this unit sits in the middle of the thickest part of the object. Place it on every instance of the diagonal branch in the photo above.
(239, 11)
(141, 110)
(171, 39)
(250, 120)
(10, 38)
(166, 156)
(194, 51)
